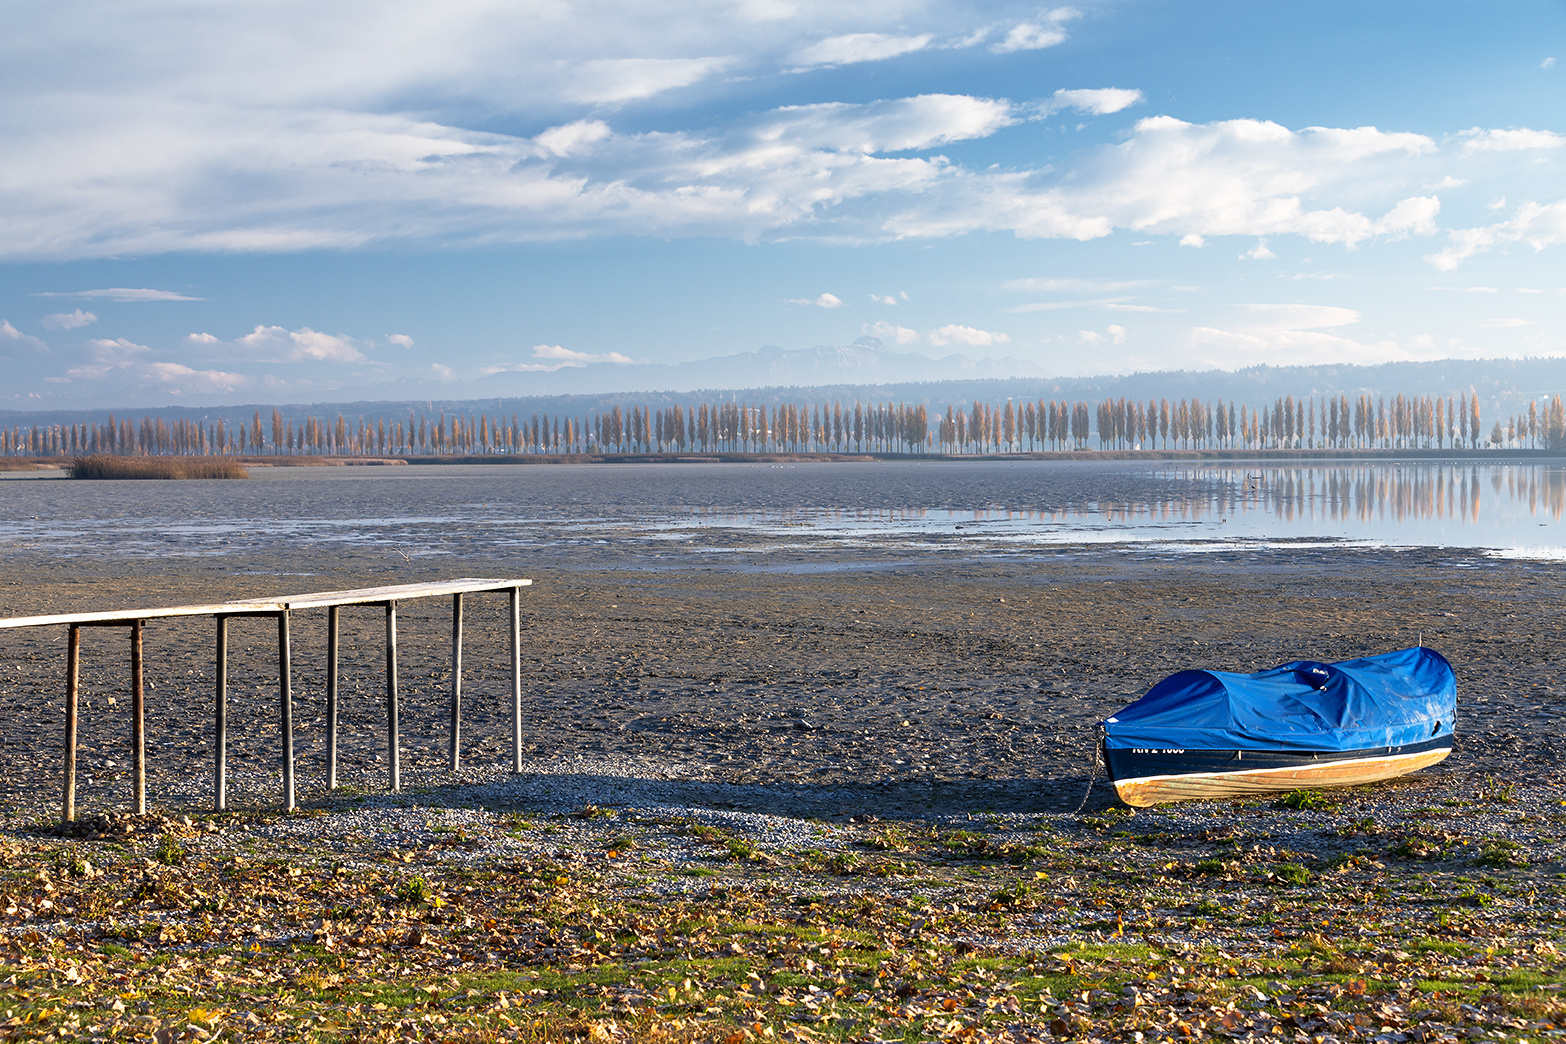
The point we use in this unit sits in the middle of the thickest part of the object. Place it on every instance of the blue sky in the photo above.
(290, 201)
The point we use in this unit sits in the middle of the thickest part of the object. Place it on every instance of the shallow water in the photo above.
(595, 515)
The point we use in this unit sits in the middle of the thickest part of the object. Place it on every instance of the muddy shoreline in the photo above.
(881, 686)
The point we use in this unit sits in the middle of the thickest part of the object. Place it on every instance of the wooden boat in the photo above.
(1215, 734)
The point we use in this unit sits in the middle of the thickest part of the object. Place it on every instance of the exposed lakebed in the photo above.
(913, 667)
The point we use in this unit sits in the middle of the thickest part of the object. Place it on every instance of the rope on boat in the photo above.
(1098, 759)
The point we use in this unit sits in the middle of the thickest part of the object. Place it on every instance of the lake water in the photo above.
(644, 515)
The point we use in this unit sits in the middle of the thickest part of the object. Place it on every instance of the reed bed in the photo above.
(102, 466)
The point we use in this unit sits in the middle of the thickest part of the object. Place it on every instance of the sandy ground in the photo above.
(875, 686)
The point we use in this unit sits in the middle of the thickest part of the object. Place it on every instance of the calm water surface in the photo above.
(620, 514)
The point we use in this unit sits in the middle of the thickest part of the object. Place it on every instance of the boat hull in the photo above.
(1144, 777)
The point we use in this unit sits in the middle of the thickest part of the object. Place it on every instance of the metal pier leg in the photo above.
(285, 672)
(391, 696)
(331, 696)
(516, 678)
(220, 708)
(73, 674)
(138, 721)
(456, 681)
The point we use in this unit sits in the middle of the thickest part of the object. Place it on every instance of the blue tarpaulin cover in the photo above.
(1391, 700)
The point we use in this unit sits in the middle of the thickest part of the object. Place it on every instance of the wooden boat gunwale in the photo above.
(1299, 771)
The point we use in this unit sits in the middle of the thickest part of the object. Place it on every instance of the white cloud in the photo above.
(1507, 323)
(892, 332)
(554, 351)
(1096, 101)
(824, 301)
(114, 345)
(1108, 304)
(112, 149)
(852, 48)
(276, 344)
(400, 340)
(444, 373)
(127, 365)
(121, 293)
(1060, 306)
(886, 299)
(203, 338)
(180, 379)
(1264, 317)
(1413, 216)
(571, 138)
(69, 320)
(330, 179)
(1113, 334)
(1537, 225)
(1031, 36)
(1196, 181)
(1192, 239)
(1520, 139)
(1073, 284)
(10, 334)
(922, 122)
(1299, 333)
(1259, 252)
(968, 335)
(608, 80)
(557, 357)
(1547, 63)
(106, 356)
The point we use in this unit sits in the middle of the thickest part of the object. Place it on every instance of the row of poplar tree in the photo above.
(1317, 422)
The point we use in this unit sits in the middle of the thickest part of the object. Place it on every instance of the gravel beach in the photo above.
(881, 684)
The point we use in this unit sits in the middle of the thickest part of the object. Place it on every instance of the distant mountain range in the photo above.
(868, 371)
(867, 368)
(866, 361)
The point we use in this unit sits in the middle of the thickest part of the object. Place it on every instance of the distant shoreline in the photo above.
(1466, 456)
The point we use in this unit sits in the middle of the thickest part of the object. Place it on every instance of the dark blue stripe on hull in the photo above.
(1139, 763)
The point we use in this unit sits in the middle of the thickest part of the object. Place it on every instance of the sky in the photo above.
(288, 201)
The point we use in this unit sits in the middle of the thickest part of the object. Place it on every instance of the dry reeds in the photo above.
(102, 466)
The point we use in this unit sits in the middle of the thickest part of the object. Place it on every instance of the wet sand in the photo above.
(860, 683)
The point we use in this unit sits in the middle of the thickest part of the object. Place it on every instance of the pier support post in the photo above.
(220, 714)
(73, 674)
(515, 614)
(138, 721)
(392, 741)
(332, 626)
(456, 681)
(286, 699)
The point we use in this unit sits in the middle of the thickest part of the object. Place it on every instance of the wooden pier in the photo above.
(281, 609)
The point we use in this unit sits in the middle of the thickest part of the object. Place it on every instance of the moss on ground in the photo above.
(200, 930)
